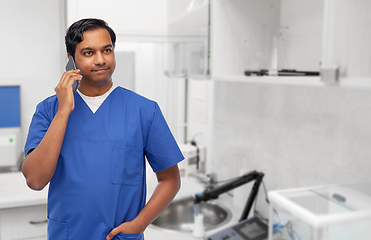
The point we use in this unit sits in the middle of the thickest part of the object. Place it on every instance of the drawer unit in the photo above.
(23, 223)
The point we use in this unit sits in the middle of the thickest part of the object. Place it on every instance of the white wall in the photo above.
(298, 135)
(32, 43)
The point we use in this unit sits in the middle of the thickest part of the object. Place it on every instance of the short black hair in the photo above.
(75, 32)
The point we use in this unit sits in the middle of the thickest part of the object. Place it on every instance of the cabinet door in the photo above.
(23, 223)
(188, 39)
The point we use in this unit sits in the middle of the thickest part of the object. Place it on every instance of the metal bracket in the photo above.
(330, 75)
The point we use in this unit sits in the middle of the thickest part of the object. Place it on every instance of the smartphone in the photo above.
(72, 66)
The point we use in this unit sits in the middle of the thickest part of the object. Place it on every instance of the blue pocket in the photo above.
(57, 230)
(127, 166)
(127, 236)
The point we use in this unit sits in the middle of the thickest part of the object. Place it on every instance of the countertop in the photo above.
(14, 192)
(190, 186)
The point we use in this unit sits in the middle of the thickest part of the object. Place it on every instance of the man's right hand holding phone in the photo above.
(40, 164)
(64, 90)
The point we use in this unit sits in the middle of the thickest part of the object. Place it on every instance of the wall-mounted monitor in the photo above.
(10, 106)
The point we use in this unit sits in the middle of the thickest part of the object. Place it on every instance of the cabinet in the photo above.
(133, 21)
(289, 34)
(188, 38)
(23, 212)
(24, 223)
(267, 34)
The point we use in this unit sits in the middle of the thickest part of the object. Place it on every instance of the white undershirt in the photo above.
(95, 102)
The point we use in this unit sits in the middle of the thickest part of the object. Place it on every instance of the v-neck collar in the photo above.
(83, 122)
(94, 103)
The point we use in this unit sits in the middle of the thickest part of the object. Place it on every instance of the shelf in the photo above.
(299, 81)
(308, 81)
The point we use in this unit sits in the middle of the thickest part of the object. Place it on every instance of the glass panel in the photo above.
(188, 43)
(347, 39)
(315, 203)
(176, 59)
(333, 199)
(353, 197)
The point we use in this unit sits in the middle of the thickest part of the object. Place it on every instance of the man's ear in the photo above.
(68, 56)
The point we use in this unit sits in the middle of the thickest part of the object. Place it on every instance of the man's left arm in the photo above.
(167, 187)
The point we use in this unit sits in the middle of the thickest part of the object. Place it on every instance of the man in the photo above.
(91, 147)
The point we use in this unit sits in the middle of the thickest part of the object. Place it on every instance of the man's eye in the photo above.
(88, 53)
(108, 50)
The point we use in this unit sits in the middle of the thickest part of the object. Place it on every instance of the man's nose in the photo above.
(99, 59)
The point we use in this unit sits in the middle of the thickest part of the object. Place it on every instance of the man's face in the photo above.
(95, 57)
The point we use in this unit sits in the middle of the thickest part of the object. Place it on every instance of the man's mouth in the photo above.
(100, 70)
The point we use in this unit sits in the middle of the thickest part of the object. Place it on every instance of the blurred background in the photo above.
(191, 56)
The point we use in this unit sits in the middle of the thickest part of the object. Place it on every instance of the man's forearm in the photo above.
(40, 164)
(168, 186)
(160, 199)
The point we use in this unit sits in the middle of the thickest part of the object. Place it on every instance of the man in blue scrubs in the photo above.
(91, 147)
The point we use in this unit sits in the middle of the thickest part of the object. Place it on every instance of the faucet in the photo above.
(208, 180)
(209, 194)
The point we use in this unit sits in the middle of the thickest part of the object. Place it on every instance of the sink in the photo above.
(178, 216)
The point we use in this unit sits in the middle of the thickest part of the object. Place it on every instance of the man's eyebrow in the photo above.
(108, 46)
(90, 49)
(86, 49)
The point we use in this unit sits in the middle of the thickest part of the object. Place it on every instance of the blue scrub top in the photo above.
(100, 179)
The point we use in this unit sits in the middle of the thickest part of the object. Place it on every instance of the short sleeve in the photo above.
(38, 127)
(161, 148)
